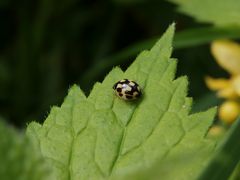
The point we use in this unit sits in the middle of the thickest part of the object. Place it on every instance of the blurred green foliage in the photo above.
(219, 12)
(19, 158)
(47, 45)
(226, 158)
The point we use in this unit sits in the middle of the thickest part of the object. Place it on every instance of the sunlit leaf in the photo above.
(103, 136)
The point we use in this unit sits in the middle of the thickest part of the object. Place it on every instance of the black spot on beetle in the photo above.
(119, 89)
(120, 94)
(129, 97)
(115, 85)
(134, 88)
(138, 94)
(129, 92)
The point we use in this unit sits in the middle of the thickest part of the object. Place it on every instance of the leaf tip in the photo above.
(164, 44)
(171, 29)
(76, 92)
(73, 88)
(213, 110)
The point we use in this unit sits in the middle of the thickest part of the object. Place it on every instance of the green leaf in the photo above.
(19, 158)
(226, 158)
(236, 173)
(102, 136)
(218, 12)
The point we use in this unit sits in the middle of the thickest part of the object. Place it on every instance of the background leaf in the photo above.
(19, 159)
(236, 173)
(103, 136)
(183, 39)
(226, 158)
(218, 12)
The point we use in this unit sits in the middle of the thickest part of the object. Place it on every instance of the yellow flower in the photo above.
(216, 131)
(229, 111)
(227, 55)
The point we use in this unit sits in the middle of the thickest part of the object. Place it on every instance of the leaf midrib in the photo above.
(128, 122)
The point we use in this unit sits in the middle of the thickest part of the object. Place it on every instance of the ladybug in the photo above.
(127, 89)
